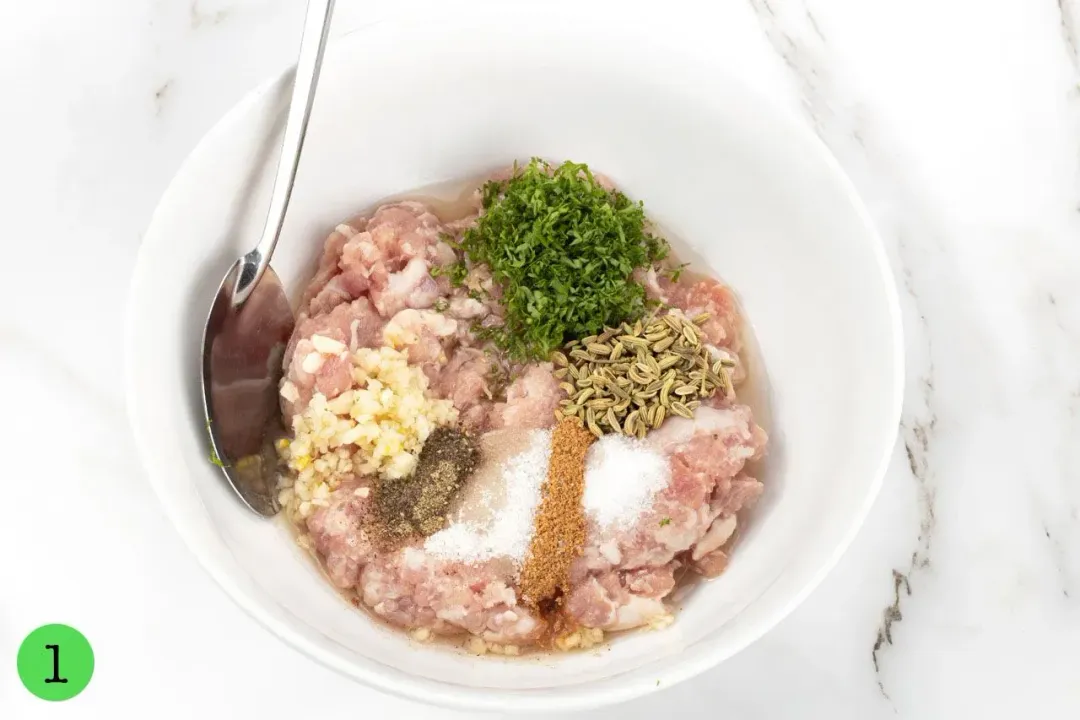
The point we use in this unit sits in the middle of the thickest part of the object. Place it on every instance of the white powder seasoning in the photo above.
(509, 530)
(621, 477)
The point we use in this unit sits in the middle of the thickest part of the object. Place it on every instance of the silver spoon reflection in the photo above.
(250, 320)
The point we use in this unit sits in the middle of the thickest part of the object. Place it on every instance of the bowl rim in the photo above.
(581, 697)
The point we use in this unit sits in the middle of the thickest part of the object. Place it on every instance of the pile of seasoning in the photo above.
(418, 504)
(508, 530)
(628, 379)
(622, 477)
(563, 249)
(559, 525)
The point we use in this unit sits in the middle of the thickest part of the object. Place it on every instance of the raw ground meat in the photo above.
(326, 289)
(620, 581)
(531, 400)
(466, 381)
(414, 590)
(355, 323)
(623, 572)
(337, 533)
(695, 295)
(374, 286)
(388, 256)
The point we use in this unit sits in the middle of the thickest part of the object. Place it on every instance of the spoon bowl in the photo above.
(250, 319)
(241, 371)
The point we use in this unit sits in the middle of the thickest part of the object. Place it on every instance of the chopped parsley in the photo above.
(665, 521)
(456, 272)
(676, 272)
(563, 248)
(214, 459)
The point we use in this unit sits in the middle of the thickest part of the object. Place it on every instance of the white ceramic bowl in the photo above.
(751, 191)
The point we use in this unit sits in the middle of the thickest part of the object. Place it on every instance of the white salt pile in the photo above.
(622, 476)
(508, 531)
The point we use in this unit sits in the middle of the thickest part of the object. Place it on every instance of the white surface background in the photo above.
(959, 120)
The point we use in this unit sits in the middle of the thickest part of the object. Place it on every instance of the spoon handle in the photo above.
(312, 45)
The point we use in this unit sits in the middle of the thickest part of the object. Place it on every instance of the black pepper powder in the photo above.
(418, 504)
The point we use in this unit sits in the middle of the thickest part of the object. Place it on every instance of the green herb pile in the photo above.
(563, 248)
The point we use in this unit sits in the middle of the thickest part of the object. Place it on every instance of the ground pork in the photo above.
(356, 324)
(414, 590)
(706, 456)
(531, 400)
(619, 582)
(373, 286)
(695, 295)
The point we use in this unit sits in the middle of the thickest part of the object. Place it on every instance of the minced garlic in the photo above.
(580, 639)
(377, 427)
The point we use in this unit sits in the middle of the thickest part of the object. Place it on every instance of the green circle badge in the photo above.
(55, 662)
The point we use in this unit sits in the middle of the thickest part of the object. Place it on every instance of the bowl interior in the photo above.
(743, 188)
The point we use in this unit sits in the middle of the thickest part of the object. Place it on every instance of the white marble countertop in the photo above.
(959, 121)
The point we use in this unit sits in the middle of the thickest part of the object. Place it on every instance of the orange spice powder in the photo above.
(559, 533)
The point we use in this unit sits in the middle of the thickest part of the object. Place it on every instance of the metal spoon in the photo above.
(251, 319)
